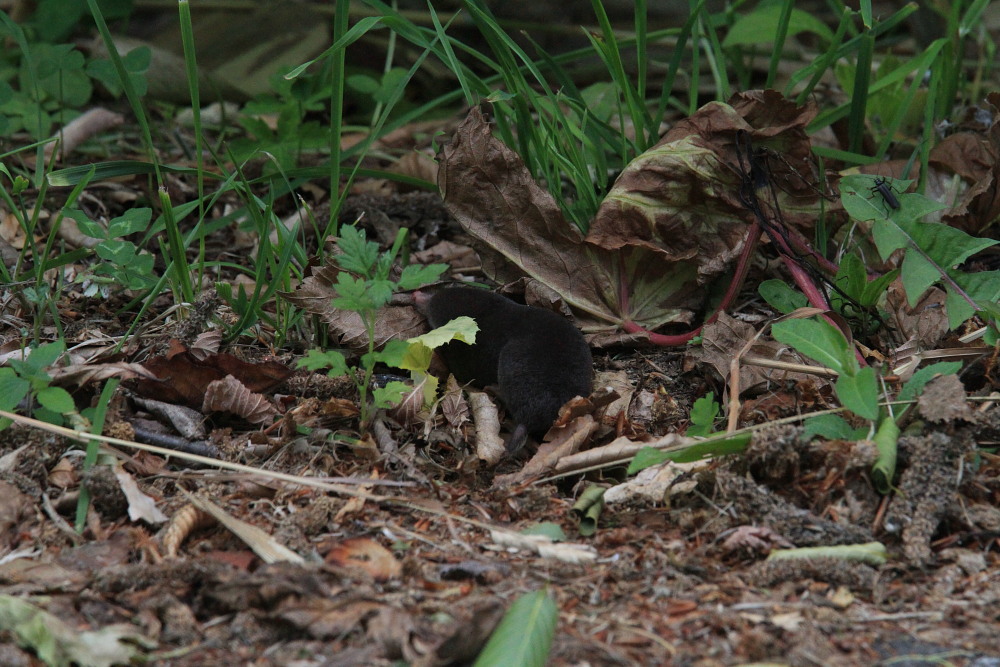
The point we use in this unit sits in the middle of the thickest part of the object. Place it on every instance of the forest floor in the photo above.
(403, 545)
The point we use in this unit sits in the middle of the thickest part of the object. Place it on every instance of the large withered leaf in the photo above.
(671, 223)
(680, 198)
(520, 232)
(182, 378)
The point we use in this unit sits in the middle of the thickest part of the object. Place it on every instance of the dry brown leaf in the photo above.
(365, 555)
(924, 324)
(453, 404)
(410, 410)
(356, 503)
(206, 344)
(15, 507)
(567, 441)
(446, 252)
(63, 474)
(943, 400)
(726, 337)
(671, 223)
(490, 446)
(140, 506)
(467, 641)
(756, 539)
(230, 395)
(324, 618)
(394, 631)
(618, 450)
(184, 379)
(266, 547)
(78, 375)
(418, 165)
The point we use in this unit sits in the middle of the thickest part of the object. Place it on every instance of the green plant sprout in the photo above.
(27, 378)
(703, 415)
(124, 264)
(364, 285)
(54, 80)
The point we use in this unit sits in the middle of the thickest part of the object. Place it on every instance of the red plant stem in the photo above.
(803, 245)
(802, 279)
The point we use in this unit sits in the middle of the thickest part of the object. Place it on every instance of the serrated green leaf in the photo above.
(315, 360)
(43, 356)
(858, 199)
(859, 393)
(415, 275)
(703, 414)
(13, 389)
(358, 253)
(982, 286)
(417, 358)
(941, 249)
(391, 394)
(380, 292)
(462, 328)
(352, 294)
(56, 399)
(818, 340)
(393, 353)
(918, 273)
(524, 635)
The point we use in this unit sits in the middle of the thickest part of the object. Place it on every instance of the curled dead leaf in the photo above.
(229, 395)
(671, 224)
(365, 555)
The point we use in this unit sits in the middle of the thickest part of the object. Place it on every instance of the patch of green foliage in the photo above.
(45, 82)
(125, 266)
(27, 379)
(365, 285)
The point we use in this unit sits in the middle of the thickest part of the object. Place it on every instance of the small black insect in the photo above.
(884, 188)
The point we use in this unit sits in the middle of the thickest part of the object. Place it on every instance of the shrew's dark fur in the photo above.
(538, 359)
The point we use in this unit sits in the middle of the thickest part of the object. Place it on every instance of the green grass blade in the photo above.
(676, 57)
(922, 67)
(859, 96)
(781, 33)
(824, 62)
(130, 93)
(456, 67)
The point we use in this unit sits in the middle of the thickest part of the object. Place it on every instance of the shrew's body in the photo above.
(537, 358)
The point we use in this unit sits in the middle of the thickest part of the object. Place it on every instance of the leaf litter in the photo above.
(678, 576)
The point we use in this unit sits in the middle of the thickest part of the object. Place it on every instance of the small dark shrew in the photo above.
(538, 358)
